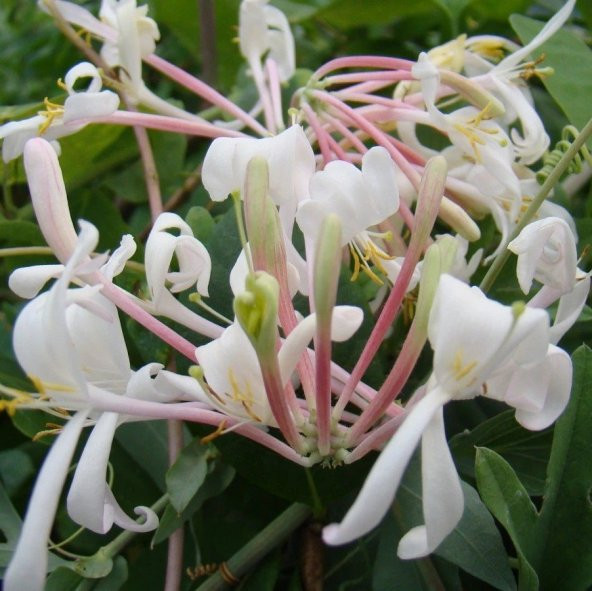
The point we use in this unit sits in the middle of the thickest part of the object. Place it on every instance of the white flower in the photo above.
(479, 345)
(232, 370)
(193, 259)
(546, 252)
(289, 155)
(264, 31)
(360, 199)
(70, 343)
(57, 121)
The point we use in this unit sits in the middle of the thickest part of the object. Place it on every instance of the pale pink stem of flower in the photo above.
(165, 123)
(392, 386)
(276, 396)
(388, 76)
(381, 140)
(323, 387)
(174, 567)
(205, 91)
(194, 412)
(362, 97)
(319, 132)
(127, 305)
(409, 153)
(273, 76)
(264, 94)
(150, 171)
(376, 438)
(347, 134)
(363, 61)
(428, 202)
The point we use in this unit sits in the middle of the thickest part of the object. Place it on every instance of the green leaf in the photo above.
(508, 500)
(496, 10)
(63, 579)
(187, 474)
(92, 151)
(526, 451)
(116, 578)
(348, 13)
(152, 454)
(10, 526)
(201, 222)
(21, 232)
(217, 480)
(16, 467)
(562, 541)
(571, 59)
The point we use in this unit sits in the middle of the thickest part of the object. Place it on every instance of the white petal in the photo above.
(90, 502)
(550, 28)
(120, 257)
(346, 320)
(379, 172)
(26, 571)
(382, 482)
(570, 307)
(86, 105)
(554, 397)
(83, 70)
(27, 282)
(442, 495)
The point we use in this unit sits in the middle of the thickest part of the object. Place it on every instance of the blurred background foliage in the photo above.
(248, 486)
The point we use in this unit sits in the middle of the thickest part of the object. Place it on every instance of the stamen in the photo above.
(215, 434)
(459, 370)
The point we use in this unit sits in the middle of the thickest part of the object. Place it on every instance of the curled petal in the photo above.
(90, 501)
(442, 495)
(546, 252)
(382, 482)
(192, 257)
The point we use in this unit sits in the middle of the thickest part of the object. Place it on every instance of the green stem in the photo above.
(263, 543)
(545, 189)
(317, 504)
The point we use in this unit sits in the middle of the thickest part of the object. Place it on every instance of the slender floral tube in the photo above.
(48, 195)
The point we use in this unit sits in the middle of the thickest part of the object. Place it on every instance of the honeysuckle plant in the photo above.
(324, 306)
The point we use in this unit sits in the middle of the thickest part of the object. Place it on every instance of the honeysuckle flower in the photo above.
(360, 199)
(264, 31)
(57, 120)
(476, 342)
(233, 374)
(70, 343)
(546, 252)
(478, 138)
(289, 156)
(192, 257)
(118, 14)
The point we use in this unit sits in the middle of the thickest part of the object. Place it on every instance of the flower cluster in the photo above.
(347, 188)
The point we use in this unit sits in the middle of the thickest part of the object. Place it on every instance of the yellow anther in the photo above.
(52, 111)
(490, 48)
(460, 370)
(61, 84)
(215, 434)
(42, 387)
(245, 397)
(55, 430)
